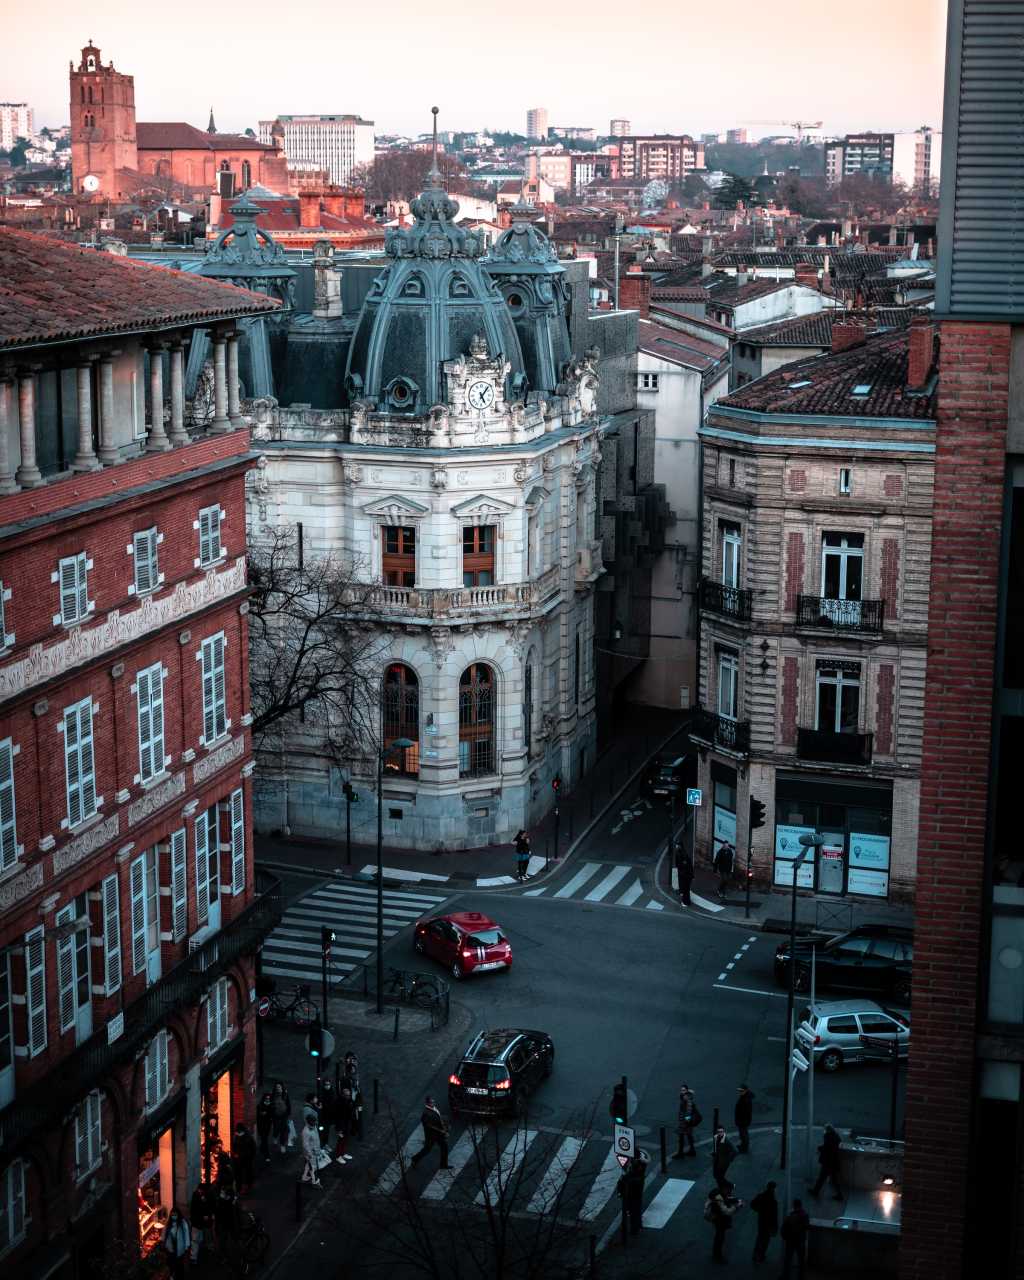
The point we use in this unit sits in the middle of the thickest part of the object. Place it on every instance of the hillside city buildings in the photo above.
(17, 120)
(537, 123)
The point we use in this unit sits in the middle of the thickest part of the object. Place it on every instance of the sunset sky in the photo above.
(666, 65)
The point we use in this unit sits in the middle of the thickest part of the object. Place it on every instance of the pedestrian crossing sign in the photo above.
(625, 1144)
(694, 796)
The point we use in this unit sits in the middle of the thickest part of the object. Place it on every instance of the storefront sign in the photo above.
(871, 884)
(869, 851)
(788, 847)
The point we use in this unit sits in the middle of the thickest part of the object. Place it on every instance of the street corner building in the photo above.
(817, 507)
(131, 914)
(472, 467)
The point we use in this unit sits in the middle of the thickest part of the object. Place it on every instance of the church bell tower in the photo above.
(103, 137)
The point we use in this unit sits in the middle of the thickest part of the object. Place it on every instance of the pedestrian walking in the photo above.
(828, 1159)
(201, 1213)
(723, 1153)
(177, 1243)
(719, 1210)
(435, 1132)
(344, 1122)
(689, 1118)
(684, 872)
(347, 1072)
(723, 864)
(225, 1170)
(795, 1226)
(311, 1151)
(244, 1155)
(522, 844)
(766, 1207)
(265, 1124)
(631, 1192)
(743, 1114)
(281, 1104)
(311, 1110)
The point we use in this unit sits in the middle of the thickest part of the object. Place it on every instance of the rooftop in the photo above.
(816, 330)
(826, 384)
(52, 291)
(679, 347)
(177, 135)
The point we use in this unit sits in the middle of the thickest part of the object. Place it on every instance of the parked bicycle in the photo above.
(300, 1009)
(241, 1254)
(414, 988)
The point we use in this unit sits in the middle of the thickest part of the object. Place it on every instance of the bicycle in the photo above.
(416, 989)
(246, 1250)
(300, 1009)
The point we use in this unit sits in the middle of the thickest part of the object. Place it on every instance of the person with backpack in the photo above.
(766, 1207)
(719, 1210)
(522, 845)
(177, 1243)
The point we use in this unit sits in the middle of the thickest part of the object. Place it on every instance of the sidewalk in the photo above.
(492, 865)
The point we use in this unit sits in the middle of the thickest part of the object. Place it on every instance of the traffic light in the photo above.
(349, 792)
(326, 938)
(316, 1040)
(619, 1108)
(756, 813)
(556, 783)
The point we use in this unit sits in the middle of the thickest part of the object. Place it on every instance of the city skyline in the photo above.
(906, 87)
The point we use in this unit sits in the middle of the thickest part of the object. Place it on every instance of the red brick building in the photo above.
(130, 910)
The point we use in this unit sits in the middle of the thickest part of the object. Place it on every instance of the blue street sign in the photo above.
(693, 796)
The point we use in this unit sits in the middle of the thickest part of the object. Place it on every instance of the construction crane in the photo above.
(799, 125)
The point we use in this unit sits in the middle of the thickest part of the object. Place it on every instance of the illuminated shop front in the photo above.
(156, 1186)
(217, 1121)
(856, 821)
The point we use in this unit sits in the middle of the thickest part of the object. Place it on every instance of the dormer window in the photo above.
(401, 395)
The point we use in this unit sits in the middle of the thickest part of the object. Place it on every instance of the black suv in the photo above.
(499, 1071)
(667, 776)
(872, 957)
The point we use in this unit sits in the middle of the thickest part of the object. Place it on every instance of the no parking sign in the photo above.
(625, 1144)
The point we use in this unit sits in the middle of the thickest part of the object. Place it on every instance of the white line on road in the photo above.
(397, 873)
(392, 1175)
(579, 880)
(459, 1156)
(605, 886)
(750, 991)
(630, 896)
(489, 882)
(730, 965)
(698, 901)
(603, 1187)
(722, 977)
(535, 893)
(670, 1196)
(498, 1183)
(536, 864)
(555, 1175)
(655, 906)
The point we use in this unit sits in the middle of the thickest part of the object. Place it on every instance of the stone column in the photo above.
(28, 475)
(108, 445)
(220, 385)
(178, 433)
(234, 407)
(85, 458)
(158, 442)
(8, 484)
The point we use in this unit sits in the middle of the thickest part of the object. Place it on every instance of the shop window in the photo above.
(215, 1125)
(476, 721)
(732, 544)
(400, 713)
(155, 1188)
(838, 698)
(478, 556)
(399, 557)
(12, 1205)
(728, 683)
(6, 1031)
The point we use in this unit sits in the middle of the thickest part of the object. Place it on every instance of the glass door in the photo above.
(6, 1032)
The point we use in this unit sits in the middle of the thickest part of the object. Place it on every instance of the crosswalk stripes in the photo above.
(293, 949)
(619, 885)
(603, 1187)
(459, 1156)
(508, 1162)
(602, 889)
(670, 1196)
(578, 881)
(555, 1175)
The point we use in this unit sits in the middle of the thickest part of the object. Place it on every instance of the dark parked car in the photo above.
(872, 957)
(667, 776)
(499, 1071)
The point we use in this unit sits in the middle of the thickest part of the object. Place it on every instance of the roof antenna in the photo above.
(435, 174)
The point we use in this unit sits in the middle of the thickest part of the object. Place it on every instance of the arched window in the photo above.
(90, 95)
(83, 94)
(225, 166)
(246, 175)
(400, 717)
(476, 721)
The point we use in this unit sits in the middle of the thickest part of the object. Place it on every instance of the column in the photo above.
(220, 385)
(178, 433)
(158, 442)
(29, 476)
(8, 484)
(85, 458)
(108, 443)
(234, 408)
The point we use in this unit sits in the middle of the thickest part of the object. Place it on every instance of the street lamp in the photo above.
(396, 744)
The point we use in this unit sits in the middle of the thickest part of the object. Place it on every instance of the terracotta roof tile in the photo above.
(51, 290)
(169, 135)
(678, 346)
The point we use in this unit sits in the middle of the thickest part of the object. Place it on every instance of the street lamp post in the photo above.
(809, 842)
(397, 744)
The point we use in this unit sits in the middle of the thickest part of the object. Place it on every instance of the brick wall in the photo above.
(969, 470)
(890, 577)
(790, 700)
(884, 708)
(795, 550)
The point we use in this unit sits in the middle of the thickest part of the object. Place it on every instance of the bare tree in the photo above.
(314, 663)
(401, 175)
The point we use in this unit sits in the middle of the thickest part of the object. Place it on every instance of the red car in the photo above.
(465, 942)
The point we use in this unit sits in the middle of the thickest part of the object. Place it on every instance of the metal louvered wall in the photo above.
(981, 223)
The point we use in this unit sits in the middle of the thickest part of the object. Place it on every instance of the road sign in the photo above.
(806, 1035)
(327, 1041)
(263, 1008)
(694, 796)
(625, 1144)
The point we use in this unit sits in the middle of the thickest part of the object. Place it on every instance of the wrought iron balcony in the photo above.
(80, 1071)
(835, 748)
(839, 615)
(730, 602)
(720, 731)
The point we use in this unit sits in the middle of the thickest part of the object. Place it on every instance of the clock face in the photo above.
(480, 395)
(90, 182)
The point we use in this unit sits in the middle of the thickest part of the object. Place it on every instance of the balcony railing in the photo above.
(839, 615)
(730, 602)
(835, 748)
(82, 1070)
(440, 602)
(720, 731)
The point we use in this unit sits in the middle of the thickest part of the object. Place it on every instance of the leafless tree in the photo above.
(400, 175)
(314, 665)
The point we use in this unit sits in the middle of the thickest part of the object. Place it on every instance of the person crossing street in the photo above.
(435, 1132)
(522, 846)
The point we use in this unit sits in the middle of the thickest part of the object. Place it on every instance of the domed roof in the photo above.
(523, 244)
(426, 308)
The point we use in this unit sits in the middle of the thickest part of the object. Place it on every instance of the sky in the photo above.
(666, 65)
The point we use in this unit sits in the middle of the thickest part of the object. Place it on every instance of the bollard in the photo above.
(592, 1249)
(714, 1122)
(397, 1012)
(376, 1096)
(298, 1201)
(625, 1224)
(664, 1150)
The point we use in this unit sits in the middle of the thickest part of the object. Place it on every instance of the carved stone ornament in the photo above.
(20, 886)
(522, 473)
(443, 643)
(156, 799)
(516, 638)
(549, 461)
(218, 759)
(88, 842)
(439, 478)
(352, 473)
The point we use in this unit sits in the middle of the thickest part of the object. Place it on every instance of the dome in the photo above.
(426, 308)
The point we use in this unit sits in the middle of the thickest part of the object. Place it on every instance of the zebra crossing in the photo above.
(620, 885)
(293, 949)
(546, 1170)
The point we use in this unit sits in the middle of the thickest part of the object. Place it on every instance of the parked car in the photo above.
(854, 1031)
(666, 776)
(872, 957)
(464, 942)
(499, 1071)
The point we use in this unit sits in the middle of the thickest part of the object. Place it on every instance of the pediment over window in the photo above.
(482, 509)
(535, 498)
(395, 509)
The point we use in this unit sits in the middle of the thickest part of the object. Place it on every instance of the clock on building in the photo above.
(90, 182)
(480, 395)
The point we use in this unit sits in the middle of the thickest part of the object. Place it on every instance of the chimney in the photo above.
(741, 276)
(326, 282)
(309, 208)
(706, 269)
(635, 291)
(921, 354)
(846, 334)
(334, 201)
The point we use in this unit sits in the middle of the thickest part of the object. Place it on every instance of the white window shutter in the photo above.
(179, 886)
(152, 1097)
(66, 972)
(69, 589)
(72, 766)
(35, 990)
(237, 841)
(83, 585)
(85, 747)
(205, 537)
(82, 1138)
(111, 935)
(95, 1127)
(8, 825)
(142, 697)
(209, 709)
(218, 685)
(202, 869)
(162, 1074)
(211, 1020)
(138, 891)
